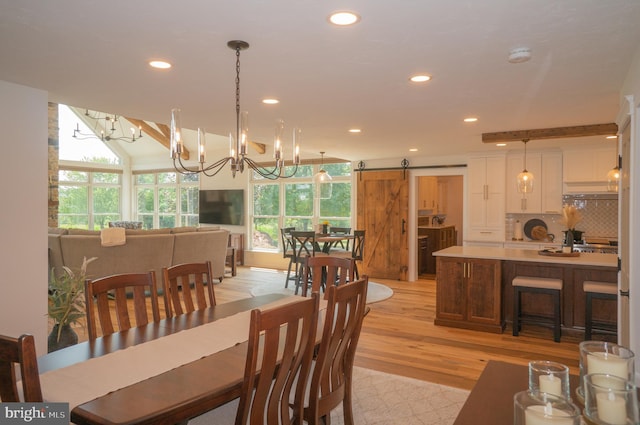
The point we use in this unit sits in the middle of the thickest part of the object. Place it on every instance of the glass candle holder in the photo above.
(549, 377)
(610, 400)
(536, 408)
(606, 358)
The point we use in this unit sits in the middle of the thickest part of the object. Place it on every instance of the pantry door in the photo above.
(382, 211)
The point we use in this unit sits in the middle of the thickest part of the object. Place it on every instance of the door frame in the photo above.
(414, 174)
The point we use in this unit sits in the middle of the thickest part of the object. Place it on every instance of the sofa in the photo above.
(142, 251)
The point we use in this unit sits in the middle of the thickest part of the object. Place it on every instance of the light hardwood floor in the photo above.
(399, 337)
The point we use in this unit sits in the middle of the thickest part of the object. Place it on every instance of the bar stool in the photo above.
(537, 285)
(601, 291)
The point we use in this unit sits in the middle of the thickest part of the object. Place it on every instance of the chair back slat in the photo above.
(280, 350)
(326, 269)
(121, 293)
(20, 351)
(188, 287)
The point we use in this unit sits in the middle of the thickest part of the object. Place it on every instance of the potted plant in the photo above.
(66, 305)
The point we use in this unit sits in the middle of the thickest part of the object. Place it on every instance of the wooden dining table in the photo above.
(330, 239)
(175, 395)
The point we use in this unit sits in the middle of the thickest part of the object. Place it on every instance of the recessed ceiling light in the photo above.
(413, 150)
(344, 18)
(471, 119)
(501, 144)
(420, 78)
(355, 130)
(519, 55)
(270, 101)
(160, 64)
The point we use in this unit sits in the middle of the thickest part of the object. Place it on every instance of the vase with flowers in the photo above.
(66, 305)
(570, 217)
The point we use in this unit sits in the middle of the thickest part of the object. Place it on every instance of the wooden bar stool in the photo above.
(537, 285)
(601, 291)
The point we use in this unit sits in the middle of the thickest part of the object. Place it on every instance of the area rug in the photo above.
(376, 292)
(380, 399)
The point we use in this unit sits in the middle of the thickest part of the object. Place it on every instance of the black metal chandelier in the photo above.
(108, 130)
(238, 158)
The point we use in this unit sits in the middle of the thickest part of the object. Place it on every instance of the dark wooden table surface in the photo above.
(173, 396)
(491, 400)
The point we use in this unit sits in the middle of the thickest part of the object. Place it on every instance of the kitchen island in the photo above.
(474, 286)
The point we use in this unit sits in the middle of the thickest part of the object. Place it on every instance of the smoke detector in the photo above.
(519, 55)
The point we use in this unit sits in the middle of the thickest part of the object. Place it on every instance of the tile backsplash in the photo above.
(599, 217)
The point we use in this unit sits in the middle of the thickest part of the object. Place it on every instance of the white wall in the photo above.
(23, 177)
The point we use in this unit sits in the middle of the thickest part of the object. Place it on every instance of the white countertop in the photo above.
(513, 254)
(436, 226)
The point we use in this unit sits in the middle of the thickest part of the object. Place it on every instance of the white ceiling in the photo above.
(94, 55)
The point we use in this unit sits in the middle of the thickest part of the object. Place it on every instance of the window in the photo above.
(88, 199)
(290, 203)
(166, 199)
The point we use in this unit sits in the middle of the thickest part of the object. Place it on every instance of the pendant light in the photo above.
(525, 178)
(613, 176)
(322, 181)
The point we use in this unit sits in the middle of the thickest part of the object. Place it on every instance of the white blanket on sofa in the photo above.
(113, 236)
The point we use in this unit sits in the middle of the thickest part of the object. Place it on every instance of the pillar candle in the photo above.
(611, 408)
(608, 363)
(546, 415)
(551, 384)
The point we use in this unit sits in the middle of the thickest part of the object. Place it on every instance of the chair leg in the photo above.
(286, 282)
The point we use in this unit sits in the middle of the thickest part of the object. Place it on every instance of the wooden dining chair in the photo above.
(288, 251)
(344, 244)
(357, 250)
(115, 292)
(304, 245)
(281, 347)
(187, 287)
(331, 377)
(326, 270)
(20, 351)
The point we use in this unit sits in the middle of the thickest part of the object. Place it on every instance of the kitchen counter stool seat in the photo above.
(601, 291)
(537, 285)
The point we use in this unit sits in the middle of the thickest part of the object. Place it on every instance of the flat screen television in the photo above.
(222, 206)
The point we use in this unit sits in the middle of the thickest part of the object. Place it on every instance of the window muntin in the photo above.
(166, 199)
(88, 199)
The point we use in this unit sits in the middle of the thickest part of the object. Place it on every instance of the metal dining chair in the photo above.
(304, 245)
(288, 251)
(344, 244)
(357, 250)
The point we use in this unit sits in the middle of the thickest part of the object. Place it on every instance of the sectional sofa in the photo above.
(142, 251)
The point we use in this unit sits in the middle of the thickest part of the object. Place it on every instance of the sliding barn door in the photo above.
(382, 211)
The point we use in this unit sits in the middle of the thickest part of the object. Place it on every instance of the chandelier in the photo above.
(108, 130)
(237, 159)
(322, 181)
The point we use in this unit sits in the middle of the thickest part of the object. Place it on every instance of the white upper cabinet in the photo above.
(546, 197)
(486, 176)
(585, 170)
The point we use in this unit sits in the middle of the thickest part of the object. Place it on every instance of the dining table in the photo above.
(330, 239)
(192, 377)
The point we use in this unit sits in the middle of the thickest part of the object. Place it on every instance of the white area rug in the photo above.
(375, 292)
(380, 399)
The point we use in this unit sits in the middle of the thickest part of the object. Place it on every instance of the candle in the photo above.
(551, 384)
(546, 415)
(608, 363)
(611, 408)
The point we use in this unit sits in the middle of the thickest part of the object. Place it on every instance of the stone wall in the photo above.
(53, 165)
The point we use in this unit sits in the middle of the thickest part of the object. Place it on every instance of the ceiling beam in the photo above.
(551, 133)
(161, 137)
(261, 148)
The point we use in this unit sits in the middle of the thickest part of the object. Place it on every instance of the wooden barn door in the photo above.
(382, 211)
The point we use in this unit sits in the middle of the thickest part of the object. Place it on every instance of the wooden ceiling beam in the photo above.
(551, 133)
(164, 137)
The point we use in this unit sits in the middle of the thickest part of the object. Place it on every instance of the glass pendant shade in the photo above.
(613, 179)
(525, 182)
(322, 182)
(525, 179)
